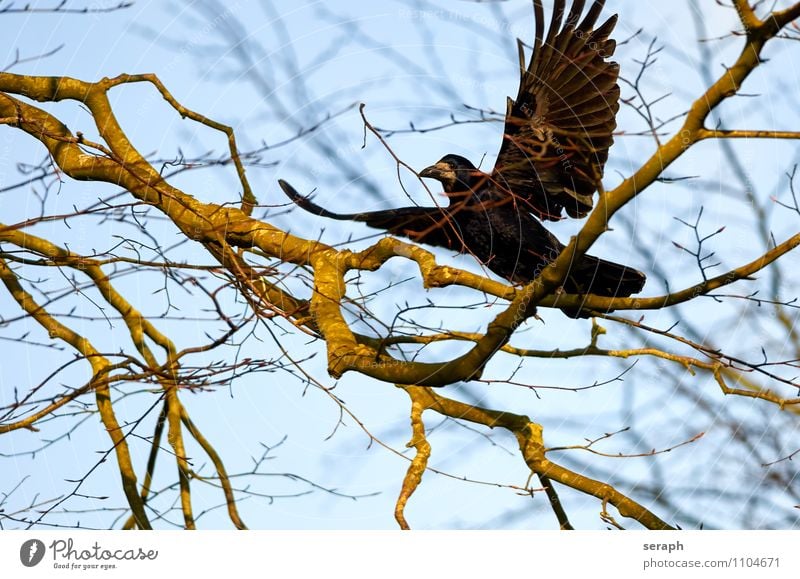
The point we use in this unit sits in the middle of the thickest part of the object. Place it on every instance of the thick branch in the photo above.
(531, 444)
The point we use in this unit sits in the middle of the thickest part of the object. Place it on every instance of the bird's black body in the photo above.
(555, 145)
(508, 240)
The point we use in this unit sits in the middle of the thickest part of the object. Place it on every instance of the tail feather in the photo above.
(604, 278)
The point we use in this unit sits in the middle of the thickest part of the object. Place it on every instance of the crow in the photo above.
(555, 145)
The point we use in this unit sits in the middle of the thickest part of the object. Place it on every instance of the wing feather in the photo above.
(560, 127)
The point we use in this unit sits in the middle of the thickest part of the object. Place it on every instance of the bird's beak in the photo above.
(436, 171)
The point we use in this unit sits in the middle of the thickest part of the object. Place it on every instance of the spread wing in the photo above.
(559, 129)
(430, 225)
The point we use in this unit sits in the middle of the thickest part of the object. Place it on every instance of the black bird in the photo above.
(555, 144)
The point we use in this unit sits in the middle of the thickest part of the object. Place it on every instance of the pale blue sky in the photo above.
(408, 63)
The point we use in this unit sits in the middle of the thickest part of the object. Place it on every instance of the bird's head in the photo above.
(455, 173)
